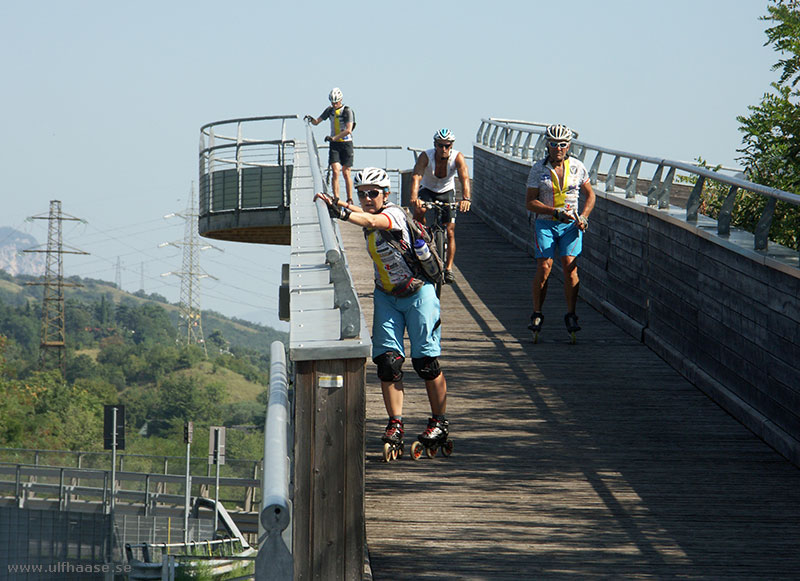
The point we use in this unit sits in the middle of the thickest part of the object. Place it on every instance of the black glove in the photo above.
(308, 118)
(336, 211)
(561, 216)
(327, 138)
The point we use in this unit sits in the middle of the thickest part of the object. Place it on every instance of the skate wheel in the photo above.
(573, 338)
(416, 450)
(536, 336)
(387, 452)
(395, 452)
(400, 451)
(431, 452)
(447, 448)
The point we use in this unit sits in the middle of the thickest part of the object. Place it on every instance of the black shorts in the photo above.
(449, 196)
(341, 152)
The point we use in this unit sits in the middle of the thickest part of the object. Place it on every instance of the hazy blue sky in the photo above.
(102, 101)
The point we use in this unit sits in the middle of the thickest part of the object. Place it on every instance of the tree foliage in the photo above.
(119, 351)
(771, 137)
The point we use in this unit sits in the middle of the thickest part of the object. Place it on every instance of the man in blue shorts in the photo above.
(403, 300)
(554, 187)
(340, 152)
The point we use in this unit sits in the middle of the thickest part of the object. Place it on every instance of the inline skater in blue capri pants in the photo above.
(402, 302)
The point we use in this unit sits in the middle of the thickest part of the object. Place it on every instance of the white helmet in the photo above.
(335, 95)
(444, 134)
(372, 176)
(559, 133)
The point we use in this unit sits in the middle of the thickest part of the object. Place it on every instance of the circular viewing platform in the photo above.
(245, 181)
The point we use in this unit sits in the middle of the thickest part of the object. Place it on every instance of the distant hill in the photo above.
(237, 332)
(13, 260)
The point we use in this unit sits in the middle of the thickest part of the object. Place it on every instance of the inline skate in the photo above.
(571, 321)
(536, 325)
(393, 440)
(435, 437)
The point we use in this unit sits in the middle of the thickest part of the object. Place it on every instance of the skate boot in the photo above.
(571, 321)
(435, 436)
(537, 319)
(393, 440)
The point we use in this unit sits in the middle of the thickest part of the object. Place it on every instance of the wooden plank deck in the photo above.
(594, 460)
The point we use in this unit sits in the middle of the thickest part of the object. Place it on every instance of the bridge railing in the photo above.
(274, 555)
(526, 141)
(328, 347)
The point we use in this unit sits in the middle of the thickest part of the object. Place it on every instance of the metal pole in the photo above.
(113, 483)
(187, 494)
(216, 487)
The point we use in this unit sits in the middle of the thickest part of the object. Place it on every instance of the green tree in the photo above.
(771, 142)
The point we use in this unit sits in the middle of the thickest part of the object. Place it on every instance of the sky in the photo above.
(102, 102)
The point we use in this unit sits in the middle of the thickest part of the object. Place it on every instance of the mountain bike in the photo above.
(433, 220)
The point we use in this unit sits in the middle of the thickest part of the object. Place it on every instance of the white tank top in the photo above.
(439, 185)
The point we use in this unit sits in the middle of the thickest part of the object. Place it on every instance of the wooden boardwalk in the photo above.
(586, 461)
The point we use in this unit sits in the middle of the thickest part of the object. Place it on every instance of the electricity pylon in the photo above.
(191, 326)
(52, 344)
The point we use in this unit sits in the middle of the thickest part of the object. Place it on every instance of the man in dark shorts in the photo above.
(435, 171)
(340, 153)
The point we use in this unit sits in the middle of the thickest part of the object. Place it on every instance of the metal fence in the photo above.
(526, 141)
(238, 172)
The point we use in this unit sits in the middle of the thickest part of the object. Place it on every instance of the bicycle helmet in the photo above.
(372, 176)
(444, 134)
(559, 133)
(335, 95)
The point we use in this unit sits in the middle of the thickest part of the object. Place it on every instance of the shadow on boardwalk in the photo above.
(594, 460)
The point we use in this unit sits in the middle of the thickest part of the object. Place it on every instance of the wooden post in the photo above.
(330, 404)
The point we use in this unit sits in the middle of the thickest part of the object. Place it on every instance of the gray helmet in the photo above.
(335, 95)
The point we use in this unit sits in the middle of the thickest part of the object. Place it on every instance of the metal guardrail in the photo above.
(516, 139)
(30, 482)
(344, 297)
(274, 559)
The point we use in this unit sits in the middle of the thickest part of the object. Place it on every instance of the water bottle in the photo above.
(426, 258)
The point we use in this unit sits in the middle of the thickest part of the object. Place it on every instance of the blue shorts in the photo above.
(549, 235)
(418, 313)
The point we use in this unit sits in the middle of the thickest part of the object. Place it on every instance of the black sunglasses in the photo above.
(443, 145)
(371, 194)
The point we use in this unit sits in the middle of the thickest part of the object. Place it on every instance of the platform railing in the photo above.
(527, 142)
(238, 172)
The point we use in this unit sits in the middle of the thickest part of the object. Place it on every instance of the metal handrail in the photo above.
(507, 137)
(344, 296)
(274, 556)
(275, 514)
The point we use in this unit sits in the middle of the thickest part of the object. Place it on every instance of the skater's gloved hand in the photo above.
(334, 209)
(562, 216)
(308, 118)
(583, 223)
(327, 138)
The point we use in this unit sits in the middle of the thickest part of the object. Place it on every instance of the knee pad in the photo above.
(427, 367)
(389, 366)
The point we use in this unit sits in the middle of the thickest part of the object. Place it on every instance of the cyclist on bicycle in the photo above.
(553, 191)
(401, 302)
(340, 152)
(435, 171)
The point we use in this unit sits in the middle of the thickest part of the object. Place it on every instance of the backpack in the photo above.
(435, 266)
(353, 113)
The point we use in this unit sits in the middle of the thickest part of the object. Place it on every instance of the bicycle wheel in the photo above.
(439, 241)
